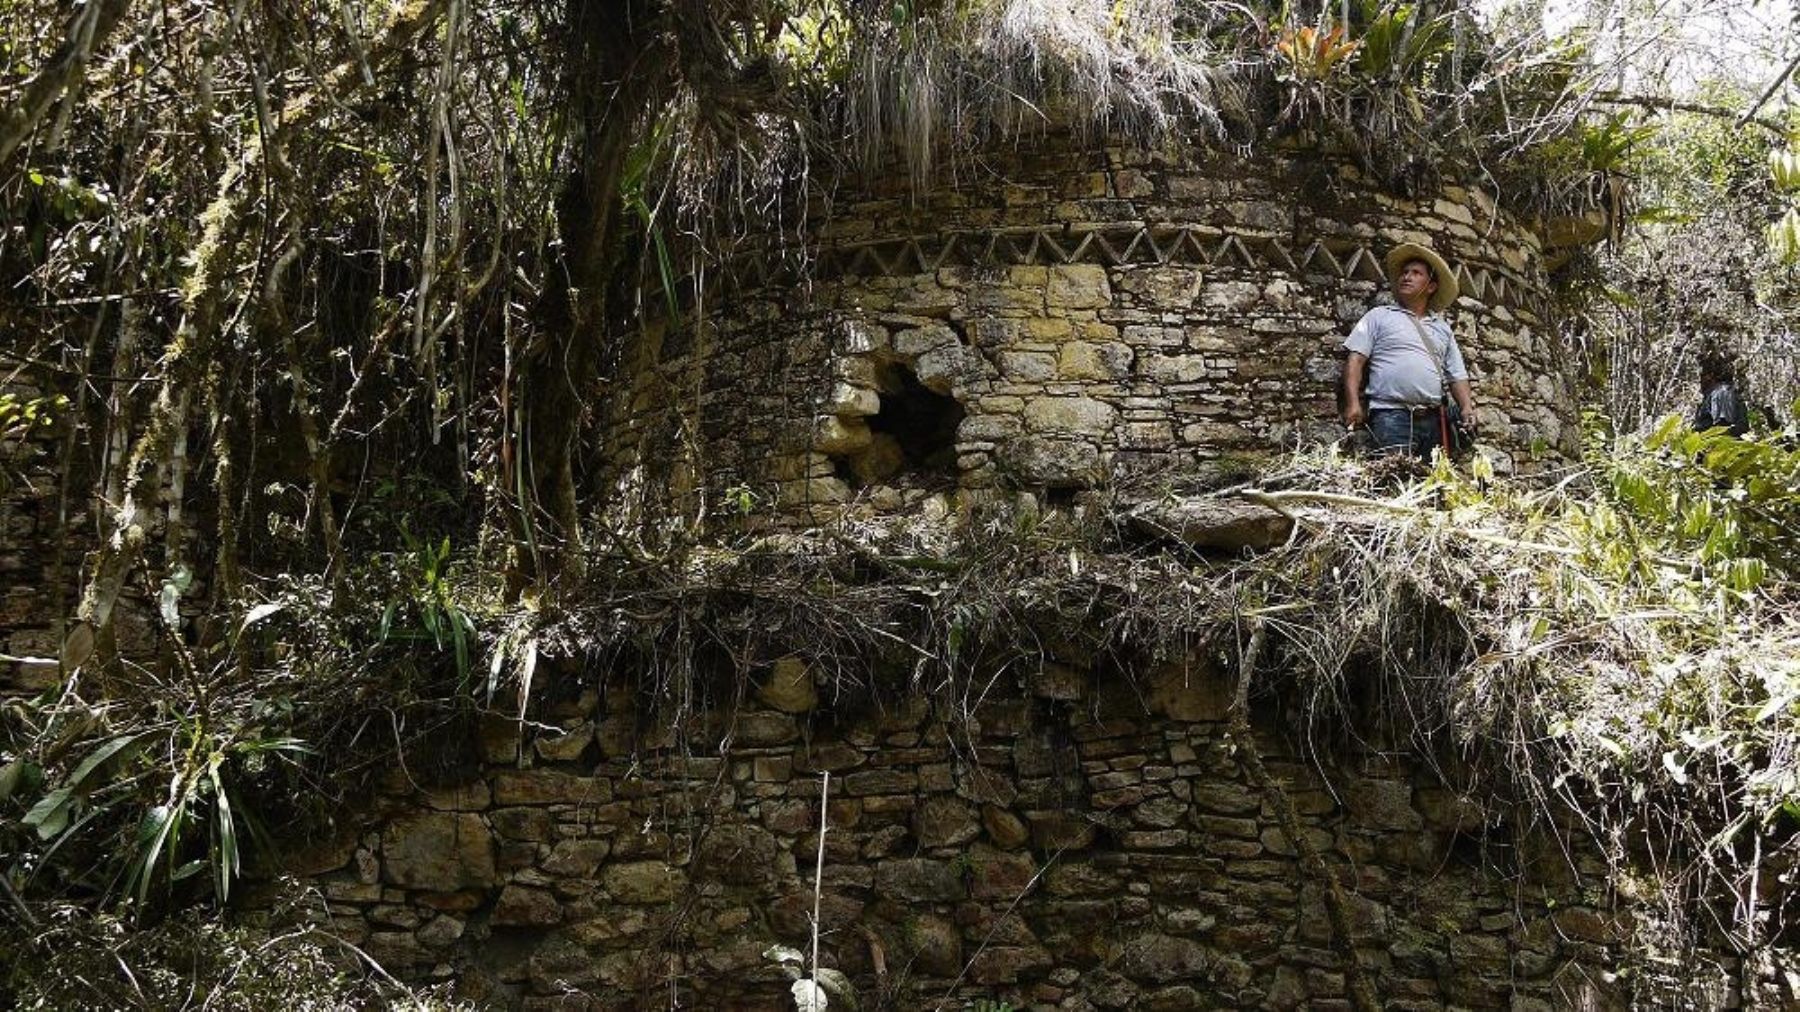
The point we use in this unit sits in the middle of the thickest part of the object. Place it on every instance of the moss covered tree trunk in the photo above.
(614, 61)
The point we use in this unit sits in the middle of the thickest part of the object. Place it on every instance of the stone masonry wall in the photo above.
(1086, 311)
(1072, 844)
(48, 523)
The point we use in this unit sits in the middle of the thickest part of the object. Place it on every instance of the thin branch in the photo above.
(88, 29)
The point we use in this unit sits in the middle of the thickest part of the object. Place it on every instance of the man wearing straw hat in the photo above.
(1409, 357)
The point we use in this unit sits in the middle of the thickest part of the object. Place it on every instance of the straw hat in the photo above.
(1406, 253)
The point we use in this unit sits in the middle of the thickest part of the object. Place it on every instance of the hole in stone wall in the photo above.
(913, 435)
(922, 421)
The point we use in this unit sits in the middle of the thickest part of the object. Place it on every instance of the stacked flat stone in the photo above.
(1077, 841)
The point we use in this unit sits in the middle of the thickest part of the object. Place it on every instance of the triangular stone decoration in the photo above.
(1363, 265)
(917, 254)
(1115, 256)
(887, 264)
(1055, 253)
(1277, 255)
(990, 250)
(1318, 256)
(1232, 245)
(1196, 249)
(1140, 236)
(859, 259)
(1089, 240)
(1170, 242)
(1477, 284)
(933, 263)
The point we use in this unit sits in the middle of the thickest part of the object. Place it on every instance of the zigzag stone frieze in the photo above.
(1107, 245)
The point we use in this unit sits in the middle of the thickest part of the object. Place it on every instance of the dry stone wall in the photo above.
(1073, 843)
(1070, 314)
(49, 521)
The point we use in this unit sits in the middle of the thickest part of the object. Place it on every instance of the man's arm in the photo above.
(1459, 389)
(1355, 412)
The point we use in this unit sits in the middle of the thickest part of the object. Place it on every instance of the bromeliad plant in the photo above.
(148, 798)
(129, 817)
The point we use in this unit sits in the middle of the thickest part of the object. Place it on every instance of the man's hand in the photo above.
(1354, 413)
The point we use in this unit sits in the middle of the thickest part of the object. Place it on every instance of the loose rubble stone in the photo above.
(1223, 525)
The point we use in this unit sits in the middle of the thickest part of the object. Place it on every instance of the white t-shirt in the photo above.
(1402, 373)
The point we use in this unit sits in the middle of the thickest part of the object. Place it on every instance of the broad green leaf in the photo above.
(101, 755)
(51, 814)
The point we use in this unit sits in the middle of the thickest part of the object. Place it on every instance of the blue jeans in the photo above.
(1397, 430)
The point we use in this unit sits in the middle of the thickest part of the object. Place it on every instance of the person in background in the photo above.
(1721, 406)
(1410, 361)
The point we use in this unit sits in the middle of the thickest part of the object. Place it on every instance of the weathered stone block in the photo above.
(548, 787)
(1007, 964)
(523, 906)
(1226, 525)
(988, 428)
(846, 399)
(1080, 360)
(524, 823)
(738, 854)
(576, 858)
(1028, 366)
(1161, 958)
(789, 686)
(566, 746)
(882, 781)
(934, 943)
(919, 880)
(643, 882)
(995, 874)
(1077, 286)
(920, 340)
(1053, 831)
(1053, 462)
(945, 370)
(440, 932)
(1386, 804)
(440, 851)
(1162, 812)
(835, 434)
(1079, 416)
(1005, 829)
(945, 822)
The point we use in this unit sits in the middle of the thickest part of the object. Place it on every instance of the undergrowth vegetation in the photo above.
(80, 961)
(1617, 653)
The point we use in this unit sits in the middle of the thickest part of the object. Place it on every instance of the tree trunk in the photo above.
(614, 66)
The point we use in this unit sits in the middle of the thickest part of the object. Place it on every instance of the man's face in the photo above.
(1415, 280)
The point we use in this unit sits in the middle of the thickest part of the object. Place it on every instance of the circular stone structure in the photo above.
(1072, 314)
